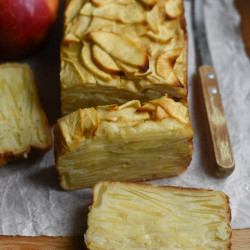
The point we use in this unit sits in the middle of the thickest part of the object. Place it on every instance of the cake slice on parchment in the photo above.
(23, 123)
(142, 216)
(131, 142)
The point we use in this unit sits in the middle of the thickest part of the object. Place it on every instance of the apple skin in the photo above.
(24, 25)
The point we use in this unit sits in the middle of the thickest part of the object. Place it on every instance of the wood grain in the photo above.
(219, 142)
(240, 241)
(41, 243)
(243, 7)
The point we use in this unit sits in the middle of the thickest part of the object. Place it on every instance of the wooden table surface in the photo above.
(240, 238)
(240, 241)
(244, 9)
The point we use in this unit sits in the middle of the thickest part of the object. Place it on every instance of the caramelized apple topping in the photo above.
(134, 46)
(108, 46)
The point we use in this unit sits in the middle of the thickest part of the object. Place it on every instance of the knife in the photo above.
(219, 145)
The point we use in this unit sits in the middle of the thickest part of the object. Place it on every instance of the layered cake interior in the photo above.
(131, 142)
(141, 216)
(23, 123)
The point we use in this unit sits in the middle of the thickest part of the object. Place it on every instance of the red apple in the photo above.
(24, 25)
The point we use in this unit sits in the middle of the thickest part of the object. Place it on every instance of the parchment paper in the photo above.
(32, 203)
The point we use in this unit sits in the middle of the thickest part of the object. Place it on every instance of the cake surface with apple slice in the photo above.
(142, 216)
(23, 123)
(130, 142)
(117, 51)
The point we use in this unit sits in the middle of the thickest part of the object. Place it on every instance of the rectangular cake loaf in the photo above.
(139, 216)
(123, 143)
(23, 123)
(121, 50)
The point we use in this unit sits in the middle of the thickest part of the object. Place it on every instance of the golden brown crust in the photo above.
(3, 161)
(9, 156)
(165, 186)
(184, 26)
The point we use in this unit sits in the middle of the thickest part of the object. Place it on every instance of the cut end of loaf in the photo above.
(23, 123)
(142, 216)
(130, 142)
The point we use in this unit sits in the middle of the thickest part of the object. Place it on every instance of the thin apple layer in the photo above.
(92, 96)
(141, 216)
(23, 123)
(131, 142)
(124, 46)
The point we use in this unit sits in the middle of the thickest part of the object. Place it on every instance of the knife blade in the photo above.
(220, 146)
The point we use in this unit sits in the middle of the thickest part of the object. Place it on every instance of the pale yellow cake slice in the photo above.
(139, 216)
(23, 123)
(130, 142)
(117, 51)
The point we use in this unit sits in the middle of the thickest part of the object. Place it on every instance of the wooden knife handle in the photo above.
(220, 142)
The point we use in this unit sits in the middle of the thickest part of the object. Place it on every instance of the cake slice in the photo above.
(141, 216)
(123, 143)
(23, 123)
(117, 51)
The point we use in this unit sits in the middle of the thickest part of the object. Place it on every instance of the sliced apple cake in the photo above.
(131, 142)
(141, 216)
(121, 50)
(23, 123)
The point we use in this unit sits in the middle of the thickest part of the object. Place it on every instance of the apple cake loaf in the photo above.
(131, 142)
(121, 50)
(23, 123)
(142, 216)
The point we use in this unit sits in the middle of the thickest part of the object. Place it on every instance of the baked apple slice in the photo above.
(90, 65)
(173, 8)
(99, 3)
(149, 3)
(165, 64)
(131, 71)
(128, 14)
(122, 48)
(105, 61)
(174, 109)
(164, 35)
(153, 19)
(87, 9)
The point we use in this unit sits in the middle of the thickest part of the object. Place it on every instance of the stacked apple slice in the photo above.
(115, 50)
(116, 53)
